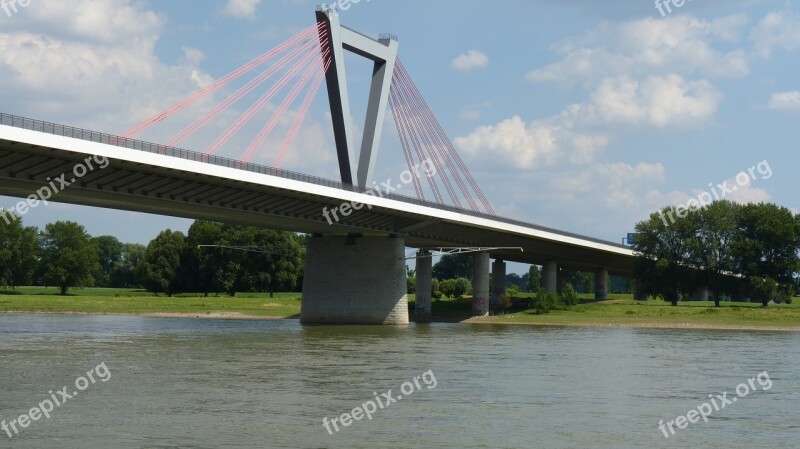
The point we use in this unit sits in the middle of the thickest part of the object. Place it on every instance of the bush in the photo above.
(543, 301)
(569, 297)
(448, 287)
(763, 289)
(435, 292)
(505, 303)
(462, 286)
(411, 285)
(512, 291)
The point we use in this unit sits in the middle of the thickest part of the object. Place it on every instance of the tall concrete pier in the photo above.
(354, 280)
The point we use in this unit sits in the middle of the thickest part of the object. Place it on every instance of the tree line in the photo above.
(745, 250)
(210, 258)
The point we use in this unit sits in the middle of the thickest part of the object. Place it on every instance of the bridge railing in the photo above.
(135, 144)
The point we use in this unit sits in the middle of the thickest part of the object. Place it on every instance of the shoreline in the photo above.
(475, 320)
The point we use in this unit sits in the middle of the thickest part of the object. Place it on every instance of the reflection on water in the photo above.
(193, 383)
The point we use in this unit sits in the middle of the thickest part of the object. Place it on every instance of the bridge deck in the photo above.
(153, 178)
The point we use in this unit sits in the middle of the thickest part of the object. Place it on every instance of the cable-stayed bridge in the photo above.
(355, 263)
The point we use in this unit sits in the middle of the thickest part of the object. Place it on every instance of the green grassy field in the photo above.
(619, 310)
(111, 300)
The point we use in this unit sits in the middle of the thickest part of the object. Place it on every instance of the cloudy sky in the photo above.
(575, 114)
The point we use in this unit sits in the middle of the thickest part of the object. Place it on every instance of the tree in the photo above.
(448, 288)
(662, 256)
(714, 230)
(543, 301)
(69, 256)
(162, 262)
(203, 264)
(411, 285)
(534, 278)
(435, 292)
(125, 272)
(109, 251)
(583, 282)
(453, 266)
(19, 249)
(513, 279)
(569, 297)
(462, 287)
(767, 243)
(763, 288)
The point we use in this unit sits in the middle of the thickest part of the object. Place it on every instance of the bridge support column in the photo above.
(550, 276)
(601, 284)
(422, 305)
(701, 294)
(498, 285)
(480, 284)
(354, 280)
(560, 279)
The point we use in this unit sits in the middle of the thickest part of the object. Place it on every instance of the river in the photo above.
(145, 382)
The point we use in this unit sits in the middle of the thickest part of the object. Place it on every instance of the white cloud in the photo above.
(678, 44)
(242, 9)
(785, 101)
(511, 142)
(470, 60)
(777, 29)
(656, 102)
(91, 66)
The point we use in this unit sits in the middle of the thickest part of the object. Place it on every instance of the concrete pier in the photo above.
(480, 284)
(354, 280)
(422, 305)
(498, 285)
(550, 276)
(601, 284)
(701, 294)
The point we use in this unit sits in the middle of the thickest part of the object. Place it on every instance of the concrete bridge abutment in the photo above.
(354, 280)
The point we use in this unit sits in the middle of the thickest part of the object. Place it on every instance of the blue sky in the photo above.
(581, 115)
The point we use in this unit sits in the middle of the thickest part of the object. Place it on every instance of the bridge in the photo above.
(355, 260)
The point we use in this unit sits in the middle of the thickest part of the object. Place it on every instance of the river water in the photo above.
(197, 383)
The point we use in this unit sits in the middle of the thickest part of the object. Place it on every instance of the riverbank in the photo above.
(621, 311)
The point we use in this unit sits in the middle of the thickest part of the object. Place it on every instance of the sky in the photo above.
(585, 116)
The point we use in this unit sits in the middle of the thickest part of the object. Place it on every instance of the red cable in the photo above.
(248, 115)
(279, 112)
(451, 148)
(300, 116)
(412, 133)
(238, 95)
(439, 144)
(218, 84)
(417, 124)
(412, 138)
(406, 149)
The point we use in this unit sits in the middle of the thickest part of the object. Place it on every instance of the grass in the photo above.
(135, 301)
(619, 310)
